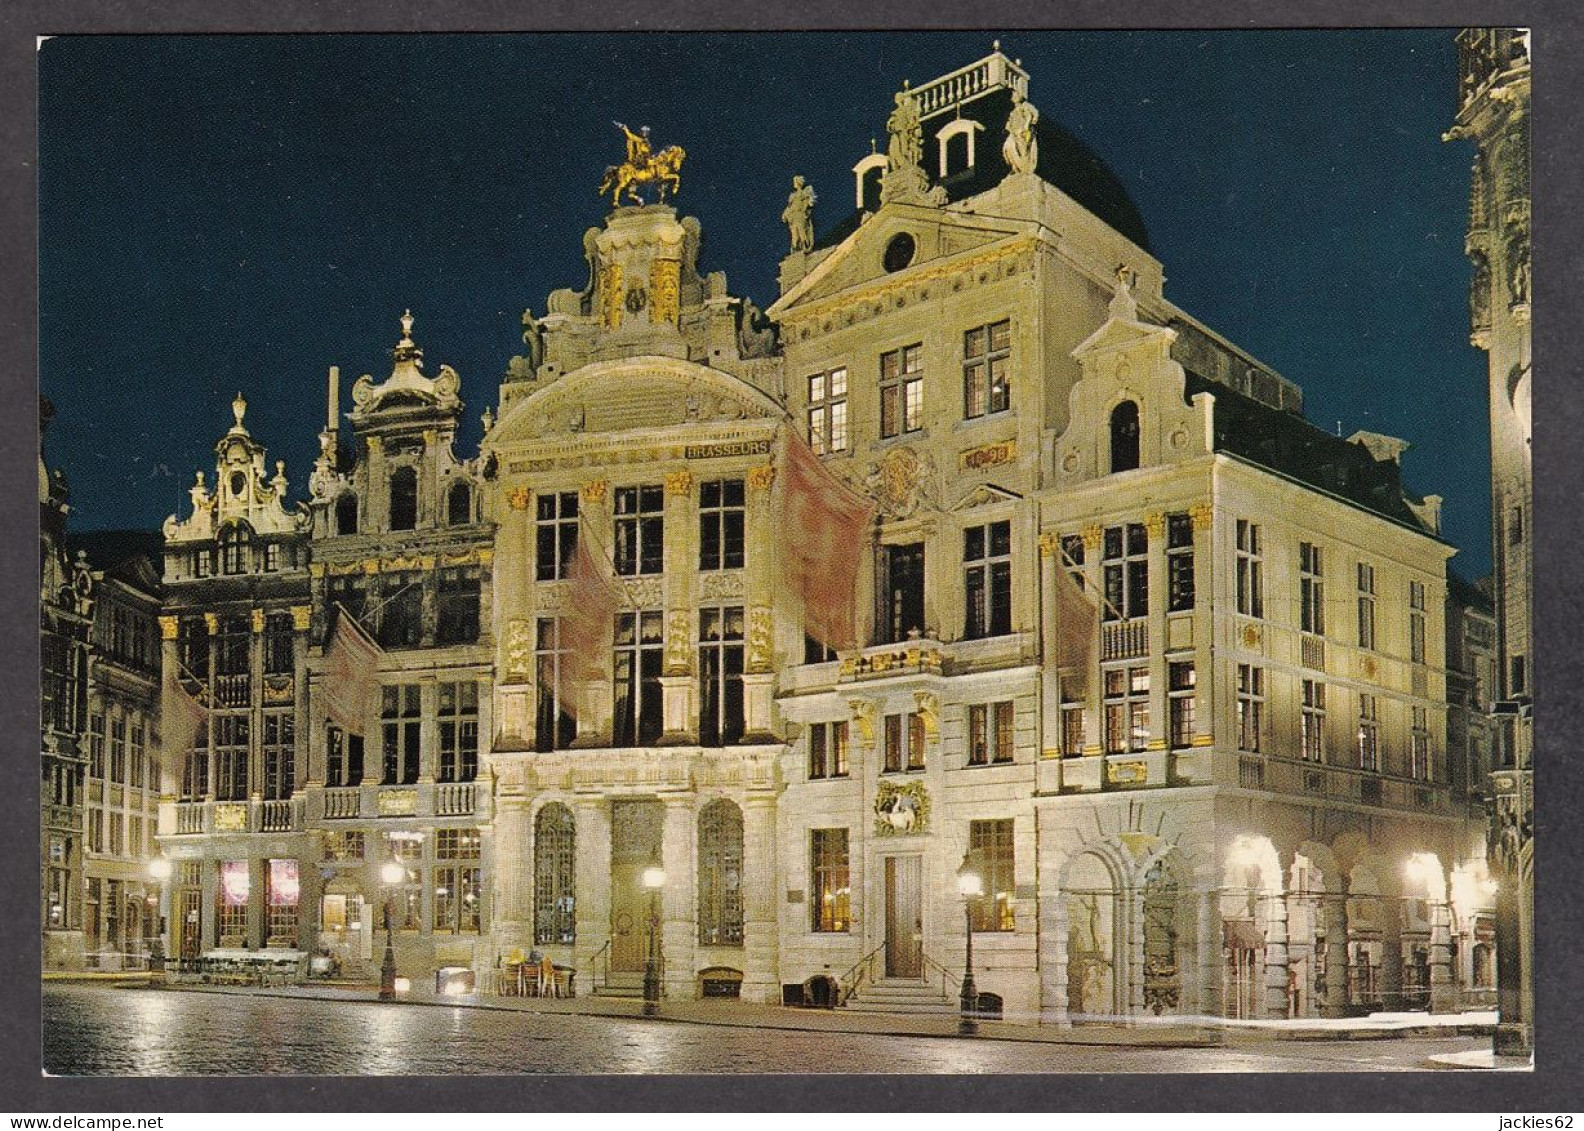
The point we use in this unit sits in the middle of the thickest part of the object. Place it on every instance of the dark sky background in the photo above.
(229, 212)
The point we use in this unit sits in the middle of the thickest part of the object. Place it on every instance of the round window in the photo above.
(899, 252)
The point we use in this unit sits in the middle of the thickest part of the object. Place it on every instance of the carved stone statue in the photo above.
(906, 143)
(1021, 149)
(1480, 292)
(799, 215)
(1518, 269)
(754, 337)
(533, 338)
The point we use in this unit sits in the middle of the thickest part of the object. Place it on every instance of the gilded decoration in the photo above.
(761, 639)
(901, 808)
(595, 491)
(230, 817)
(611, 295)
(397, 802)
(277, 690)
(679, 483)
(212, 621)
(987, 455)
(519, 498)
(665, 291)
(302, 617)
(1251, 636)
(258, 620)
(1156, 525)
(1048, 544)
(1202, 515)
(901, 480)
(519, 649)
(1128, 773)
(169, 627)
(927, 704)
(761, 477)
(1093, 535)
(863, 717)
(679, 642)
(644, 166)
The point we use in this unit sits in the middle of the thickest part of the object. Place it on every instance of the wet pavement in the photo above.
(105, 1030)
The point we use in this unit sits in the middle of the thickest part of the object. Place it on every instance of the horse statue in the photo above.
(662, 169)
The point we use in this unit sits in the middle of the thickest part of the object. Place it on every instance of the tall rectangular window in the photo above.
(136, 756)
(994, 909)
(117, 833)
(401, 616)
(458, 887)
(96, 746)
(903, 589)
(902, 391)
(400, 726)
(280, 754)
(1179, 563)
(1366, 605)
(1368, 733)
(1311, 589)
(640, 530)
(231, 912)
(1072, 726)
(1250, 706)
(555, 532)
(987, 363)
(830, 887)
(640, 645)
(721, 504)
(555, 721)
(1125, 571)
(406, 849)
(987, 574)
(720, 675)
(283, 892)
(118, 750)
(990, 733)
(904, 743)
(827, 411)
(1416, 621)
(457, 599)
(231, 730)
(1250, 570)
(828, 750)
(1311, 745)
(459, 733)
(1180, 686)
(1127, 709)
(1419, 745)
(279, 636)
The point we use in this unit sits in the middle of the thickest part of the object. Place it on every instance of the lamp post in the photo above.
(159, 871)
(970, 882)
(654, 879)
(392, 873)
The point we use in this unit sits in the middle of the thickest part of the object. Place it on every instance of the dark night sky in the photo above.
(223, 213)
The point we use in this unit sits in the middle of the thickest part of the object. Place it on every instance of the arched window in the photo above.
(459, 505)
(1125, 436)
(555, 840)
(404, 499)
(720, 865)
(346, 513)
(235, 542)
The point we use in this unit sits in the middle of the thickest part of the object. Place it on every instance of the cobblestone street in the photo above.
(91, 1031)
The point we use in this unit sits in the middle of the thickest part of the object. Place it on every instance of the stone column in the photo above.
(1155, 568)
(679, 900)
(1443, 987)
(375, 501)
(593, 880)
(1334, 906)
(1052, 940)
(512, 911)
(1050, 697)
(212, 623)
(1391, 949)
(1276, 1002)
(759, 676)
(761, 884)
(594, 712)
(1210, 959)
(303, 771)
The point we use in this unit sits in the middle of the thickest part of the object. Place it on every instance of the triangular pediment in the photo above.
(859, 260)
(986, 495)
(1120, 334)
(632, 394)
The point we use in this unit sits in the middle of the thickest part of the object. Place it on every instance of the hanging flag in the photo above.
(351, 673)
(822, 526)
(181, 716)
(590, 609)
(1076, 621)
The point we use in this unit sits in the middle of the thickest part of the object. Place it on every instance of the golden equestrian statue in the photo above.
(643, 166)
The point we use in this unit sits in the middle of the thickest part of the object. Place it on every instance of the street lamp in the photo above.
(970, 882)
(392, 873)
(654, 879)
(159, 871)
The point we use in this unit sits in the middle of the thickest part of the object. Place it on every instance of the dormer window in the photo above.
(346, 514)
(235, 544)
(459, 505)
(1125, 437)
(404, 499)
(958, 145)
(867, 175)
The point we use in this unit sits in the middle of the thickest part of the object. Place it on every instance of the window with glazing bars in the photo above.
(1072, 726)
(1416, 622)
(280, 753)
(458, 887)
(990, 733)
(640, 530)
(720, 878)
(555, 534)
(1368, 733)
(904, 743)
(231, 730)
(720, 675)
(1179, 563)
(1366, 605)
(721, 508)
(1311, 745)
(459, 738)
(555, 905)
(96, 746)
(1181, 683)
(828, 750)
(278, 637)
(136, 757)
(987, 576)
(555, 721)
(1125, 569)
(639, 651)
(986, 369)
(343, 757)
(902, 391)
(827, 411)
(1127, 709)
(994, 909)
(1250, 706)
(1419, 745)
(830, 891)
(1250, 570)
(118, 750)
(457, 597)
(401, 726)
(1311, 589)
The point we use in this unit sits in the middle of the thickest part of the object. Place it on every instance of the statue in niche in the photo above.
(906, 139)
(799, 215)
(1518, 268)
(1021, 148)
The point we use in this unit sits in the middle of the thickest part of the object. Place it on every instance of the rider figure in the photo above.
(639, 151)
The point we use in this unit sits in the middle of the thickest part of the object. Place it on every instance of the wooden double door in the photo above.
(904, 917)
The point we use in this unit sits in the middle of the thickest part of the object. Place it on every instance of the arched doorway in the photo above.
(1250, 891)
(1091, 897)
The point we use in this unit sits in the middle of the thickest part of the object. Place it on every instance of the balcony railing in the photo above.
(1124, 640)
(1313, 652)
(283, 815)
(343, 804)
(276, 816)
(454, 799)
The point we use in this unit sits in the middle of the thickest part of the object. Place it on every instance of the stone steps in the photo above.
(892, 996)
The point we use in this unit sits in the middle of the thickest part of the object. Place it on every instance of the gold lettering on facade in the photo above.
(721, 451)
(988, 455)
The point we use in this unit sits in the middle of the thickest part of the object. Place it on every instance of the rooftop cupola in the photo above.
(407, 386)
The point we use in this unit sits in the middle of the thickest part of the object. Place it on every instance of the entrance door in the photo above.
(904, 917)
(191, 912)
(636, 828)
